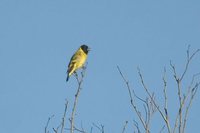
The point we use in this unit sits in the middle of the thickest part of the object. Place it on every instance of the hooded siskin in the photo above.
(77, 60)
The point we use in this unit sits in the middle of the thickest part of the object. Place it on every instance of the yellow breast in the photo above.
(77, 61)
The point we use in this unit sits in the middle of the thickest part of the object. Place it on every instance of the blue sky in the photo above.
(38, 37)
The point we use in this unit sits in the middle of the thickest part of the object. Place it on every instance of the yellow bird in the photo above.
(77, 60)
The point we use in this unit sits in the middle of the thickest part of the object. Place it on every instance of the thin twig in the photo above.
(165, 95)
(188, 93)
(193, 93)
(131, 99)
(178, 81)
(76, 98)
(56, 130)
(146, 113)
(91, 129)
(79, 130)
(136, 125)
(46, 127)
(74, 109)
(124, 127)
(63, 118)
(100, 128)
(162, 129)
(155, 104)
(189, 58)
(76, 129)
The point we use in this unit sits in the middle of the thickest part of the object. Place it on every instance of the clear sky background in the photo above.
(38, 38)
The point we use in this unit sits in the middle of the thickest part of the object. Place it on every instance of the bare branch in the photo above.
(192, 93)
(174, 71)
(137, 127)
(91, 129)
(182, 99)
(76, 98)
(131, 99)
(178, 81)
(79, 130)
(189, 58)
(56, 130)
(124, 127)
(155, 104)
(46, 127)
(63, 118)
(162, 129)
(146, 113)
(165, 94)
(100, 128)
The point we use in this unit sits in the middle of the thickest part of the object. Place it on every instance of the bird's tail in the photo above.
(67, 78)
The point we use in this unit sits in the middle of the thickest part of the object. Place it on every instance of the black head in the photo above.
(85, 48)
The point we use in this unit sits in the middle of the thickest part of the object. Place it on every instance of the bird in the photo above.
(77, 60)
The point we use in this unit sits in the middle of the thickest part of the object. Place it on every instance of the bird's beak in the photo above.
(89, 49)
